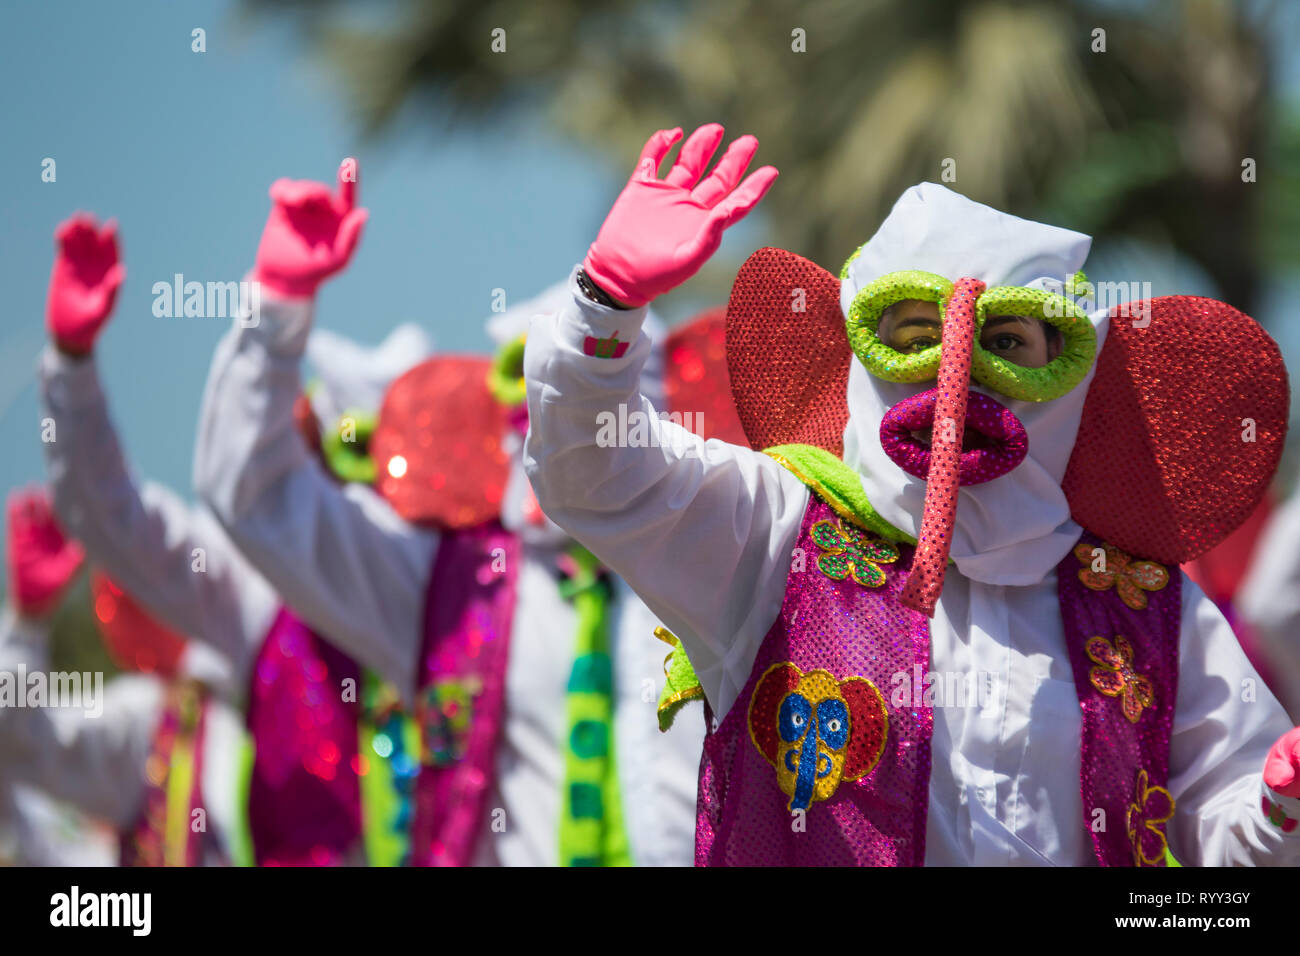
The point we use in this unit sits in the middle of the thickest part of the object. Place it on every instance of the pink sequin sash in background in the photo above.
(304, 800)
(468, 616)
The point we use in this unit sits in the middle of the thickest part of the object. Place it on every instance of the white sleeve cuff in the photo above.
(600, 331)
(1280, 813)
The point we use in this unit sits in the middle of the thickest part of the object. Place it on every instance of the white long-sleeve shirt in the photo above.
(354, 570)
(705, 532)
(94, 757)
(36, 829)
(173, 558)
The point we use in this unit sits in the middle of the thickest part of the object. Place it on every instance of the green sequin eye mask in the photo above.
(1052, 380)
(869, 304)
(346, 448)
(506, 377)
(1058, 376)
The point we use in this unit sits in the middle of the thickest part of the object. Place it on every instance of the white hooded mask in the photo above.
(352, 377)
(1013, 529)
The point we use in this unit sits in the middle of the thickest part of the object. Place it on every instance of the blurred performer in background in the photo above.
(532, 670)
(332, 772)
(1268, 600)
(158, 757)
(36, 830)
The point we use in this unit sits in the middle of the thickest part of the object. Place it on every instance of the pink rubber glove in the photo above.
(83, 282)
(661, 231)
(1282, 765)
(41, 560)
(310, 234)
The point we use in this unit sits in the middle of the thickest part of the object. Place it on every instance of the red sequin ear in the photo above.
(788, 353)
(135, 641)
(764, 703)
(1182, 428)
(697, 383)
(868, 726)
(438, 444)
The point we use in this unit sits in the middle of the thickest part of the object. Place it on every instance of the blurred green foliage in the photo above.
(1144, 140)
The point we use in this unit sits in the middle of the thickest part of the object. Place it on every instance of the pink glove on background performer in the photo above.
(1282, 765)
(41, 560)
(310, 234)
(660, 232)
(83, 282)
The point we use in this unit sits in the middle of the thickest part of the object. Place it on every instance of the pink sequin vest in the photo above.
(304, 799)
(814, 765)
(462, 682)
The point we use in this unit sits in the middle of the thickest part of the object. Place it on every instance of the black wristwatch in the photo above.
(595, 293)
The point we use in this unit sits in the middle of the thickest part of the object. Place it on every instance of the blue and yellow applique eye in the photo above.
(816, 731)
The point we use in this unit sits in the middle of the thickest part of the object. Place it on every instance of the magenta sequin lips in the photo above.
(994, 441)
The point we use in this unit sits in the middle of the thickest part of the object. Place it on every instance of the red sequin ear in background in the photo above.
(697, 381)
(438, 444)
(135, 641)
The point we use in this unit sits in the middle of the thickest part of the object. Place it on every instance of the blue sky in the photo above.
(181, 146)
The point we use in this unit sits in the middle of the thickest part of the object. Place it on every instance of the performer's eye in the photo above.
(918, 344)
(1024, 340)
(910, 326)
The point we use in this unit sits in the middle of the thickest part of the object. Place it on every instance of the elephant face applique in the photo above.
(816, 731)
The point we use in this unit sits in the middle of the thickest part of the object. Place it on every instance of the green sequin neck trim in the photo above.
(838, 485)
(506, 376)
(682, 685)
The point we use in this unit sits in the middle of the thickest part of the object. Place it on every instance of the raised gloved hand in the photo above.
(83, 282)
(310, 234)
(661, 231)
(41, 560)
(1282, 765)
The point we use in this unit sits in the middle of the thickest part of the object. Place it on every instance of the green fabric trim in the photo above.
(345, 459)
(863, 323)
(1169, 858)
(1058, 376)
(844, 269)
(838, 485)
(592, 831)
(384, 832)
(506, 376)
(180, 786)
(241, 836)
(1079, 286)
(682, 686)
